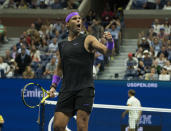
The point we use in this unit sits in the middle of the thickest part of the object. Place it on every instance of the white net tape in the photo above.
(104, 106)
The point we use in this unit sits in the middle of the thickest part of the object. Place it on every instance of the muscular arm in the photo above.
(58, 70)
(91, 41)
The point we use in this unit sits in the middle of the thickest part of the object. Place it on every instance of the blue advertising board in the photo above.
(151, 94)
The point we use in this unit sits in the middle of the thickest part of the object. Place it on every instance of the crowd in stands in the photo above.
(36, 53)
(41, 4)
(151, 4)
(152, 60)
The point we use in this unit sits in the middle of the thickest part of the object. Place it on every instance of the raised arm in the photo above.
(92, 43)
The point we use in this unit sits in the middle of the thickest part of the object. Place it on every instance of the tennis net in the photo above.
(109, 118)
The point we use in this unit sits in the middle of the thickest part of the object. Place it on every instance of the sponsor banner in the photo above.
(18, 117)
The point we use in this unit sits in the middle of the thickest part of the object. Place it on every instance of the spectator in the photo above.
(33, 4)
(152, 75)
(22, 5)
(141, 70)
(147, 60)
(35, 54)
(50, 68)
(7, 57)
(138, 4)
(3, 33)
(11, 4)
(13, 67)
(161, 60)
(38, 24)
(28, 73)
(24, 47)
(153, 4)
(164, 75)
(167, 6)
(131, 64)
(99, 62)
(4, 68)
(156, 25)
(156, 45)
(169, 52)
(139, 53)
(162, 34)
(167, 26)
(22, 60)
(14, 52)
(42, 4)
(143, 43)
(53, 46)
(56, 5)
(70, 4)
(114, 28)
(168, 66)
(164, 51)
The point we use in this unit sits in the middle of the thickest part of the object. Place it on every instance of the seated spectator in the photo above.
(89, 18)
(147, 60)
(4, 68)
(11, 4)
(169, 52)
(22, 4)
(143, 43)
(22, 60)
(56, 5)
(153, 4)
(7, 57)
(42, 4)
(69, 4)
(139, 53)
(164, 51)
(156, 25)
(168, 66)
(99, 62)
(35, 54)
(131, 64)
(14, 52)
(107, 14)
(156, 45)
(162, 33)
(3, 33)
(33, 4)
(164, 75)
(152, 75)
(167, 6)
(141, 70)
(167, 26)
(28, 73)
(50, 68)
(53, 46)
(161, 60)
(13, 68)
(138, 4)
(23, 47)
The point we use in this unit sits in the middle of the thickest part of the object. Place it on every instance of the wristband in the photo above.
(110, 45)
(55, 80)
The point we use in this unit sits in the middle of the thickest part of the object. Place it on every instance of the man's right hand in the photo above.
(52, 91)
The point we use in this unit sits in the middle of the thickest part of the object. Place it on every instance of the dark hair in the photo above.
(132, 92)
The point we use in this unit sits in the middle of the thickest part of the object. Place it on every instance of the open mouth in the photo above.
(79, 25)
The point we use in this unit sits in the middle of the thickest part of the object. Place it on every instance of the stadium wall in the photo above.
(150, 93)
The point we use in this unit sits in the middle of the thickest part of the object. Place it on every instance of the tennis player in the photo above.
(75, 65)
(134, 115)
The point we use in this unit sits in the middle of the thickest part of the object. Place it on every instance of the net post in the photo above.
(42, 117)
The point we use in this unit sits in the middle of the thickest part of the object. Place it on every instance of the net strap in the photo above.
(104, 106)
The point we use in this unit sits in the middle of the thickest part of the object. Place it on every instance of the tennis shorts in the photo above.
(132, 122)
(70, 102)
